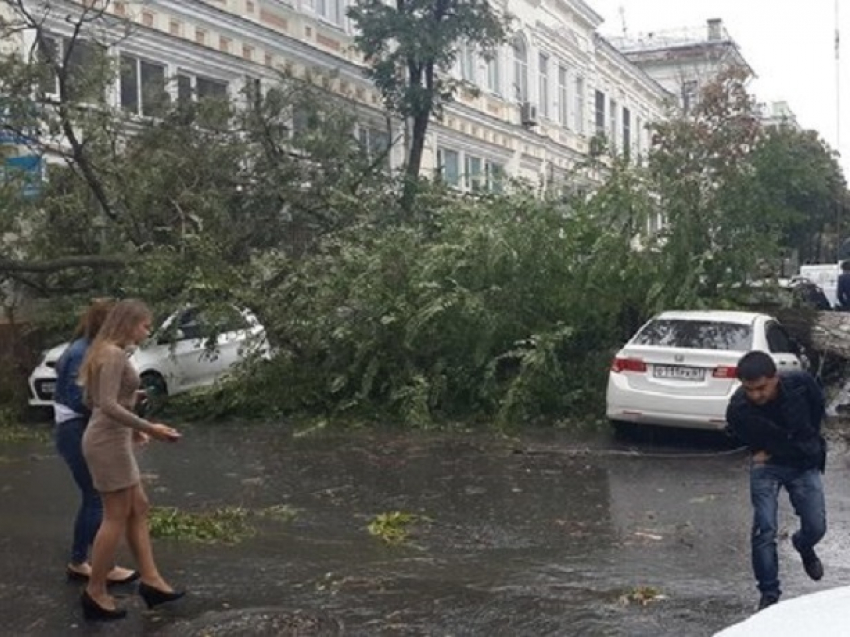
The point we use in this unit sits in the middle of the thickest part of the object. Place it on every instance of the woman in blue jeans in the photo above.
(71, 416)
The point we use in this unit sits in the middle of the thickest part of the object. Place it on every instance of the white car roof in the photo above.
(719, 316)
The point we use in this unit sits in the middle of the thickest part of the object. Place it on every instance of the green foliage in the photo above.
(505, 308)
(412, 45)
(12, 431)
(394, 527)
(800, 177)
(410, 48)
(427, 310)
(225, 525)
(184, 208)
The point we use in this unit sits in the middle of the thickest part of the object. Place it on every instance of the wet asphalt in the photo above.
(544, 534)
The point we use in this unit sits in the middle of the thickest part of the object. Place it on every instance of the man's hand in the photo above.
(761, 457)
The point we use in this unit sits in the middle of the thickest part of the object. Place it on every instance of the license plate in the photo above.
(48, 388)
(675, 372)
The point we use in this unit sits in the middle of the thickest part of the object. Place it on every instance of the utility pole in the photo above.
(837, 124)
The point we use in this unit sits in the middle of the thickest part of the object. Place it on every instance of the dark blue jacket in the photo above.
(68, 392)
(788, 428)
(843, 291)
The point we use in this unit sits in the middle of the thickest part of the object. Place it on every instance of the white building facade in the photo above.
(541, 99)
(684, 60)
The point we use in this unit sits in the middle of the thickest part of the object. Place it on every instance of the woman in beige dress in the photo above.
(111, 383)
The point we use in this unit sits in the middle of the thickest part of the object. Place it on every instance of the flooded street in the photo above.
(542, 535)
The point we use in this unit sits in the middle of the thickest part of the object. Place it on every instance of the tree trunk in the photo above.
(830, 333)
(414, 160)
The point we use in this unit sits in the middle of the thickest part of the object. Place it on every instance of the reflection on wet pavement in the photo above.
(547, 535)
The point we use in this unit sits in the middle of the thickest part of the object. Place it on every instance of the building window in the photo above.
(78, 57)
(578, 110)
(600, 112)
(627, 132)
(520, 70)
(449, 166)
(690, 95)
(467, 62)
(639, 137)
(494, 80)
(375, 143)
(543, 84)
(612, 124)
(563, 97)
(475, 178)
(495, 177)
(208, 88)
(331, 10)
(143, 90)
(191, 88)
(49, 55)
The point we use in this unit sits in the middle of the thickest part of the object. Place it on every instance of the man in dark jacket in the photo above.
(778, 417)
(842, 292)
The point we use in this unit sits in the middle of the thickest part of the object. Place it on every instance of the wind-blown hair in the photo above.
(117, 330)
(93, 318)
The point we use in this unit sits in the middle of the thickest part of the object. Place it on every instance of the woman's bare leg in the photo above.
(116, 511)
(138, 538)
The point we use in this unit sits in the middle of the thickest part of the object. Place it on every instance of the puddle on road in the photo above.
(545, 543)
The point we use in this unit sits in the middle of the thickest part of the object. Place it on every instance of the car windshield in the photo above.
(684, 334)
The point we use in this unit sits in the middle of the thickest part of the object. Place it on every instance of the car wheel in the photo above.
(157, 392)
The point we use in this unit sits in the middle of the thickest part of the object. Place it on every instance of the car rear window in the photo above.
(696, 335)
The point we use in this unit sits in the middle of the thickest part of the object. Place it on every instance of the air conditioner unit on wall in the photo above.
(528, 114)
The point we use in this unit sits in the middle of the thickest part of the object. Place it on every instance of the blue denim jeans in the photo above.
(805, 491)
(69, 444)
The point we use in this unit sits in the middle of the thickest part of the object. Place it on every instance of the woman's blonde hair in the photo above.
(117, 329)
(93, 318)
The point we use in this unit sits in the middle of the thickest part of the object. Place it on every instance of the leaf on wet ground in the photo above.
(395, 527)
(279, 512)
(224, 525)
(642, 595)
(711, 497)
(649, 536)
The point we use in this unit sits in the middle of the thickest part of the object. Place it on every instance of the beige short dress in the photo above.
(108, 439)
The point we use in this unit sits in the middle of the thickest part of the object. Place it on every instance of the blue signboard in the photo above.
(28, 170)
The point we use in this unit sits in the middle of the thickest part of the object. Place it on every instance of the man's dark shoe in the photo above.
(811, 562)
(768, 599)
(813, 565)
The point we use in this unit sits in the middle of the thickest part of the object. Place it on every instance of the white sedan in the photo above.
(176, 358)
(679, 370)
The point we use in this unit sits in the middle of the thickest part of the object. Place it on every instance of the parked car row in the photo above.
(679, 369)
(177, 357)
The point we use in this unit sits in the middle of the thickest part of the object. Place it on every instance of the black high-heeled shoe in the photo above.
(93, 611)
(155, 597)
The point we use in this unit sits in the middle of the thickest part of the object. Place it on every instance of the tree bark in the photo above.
(830, 333)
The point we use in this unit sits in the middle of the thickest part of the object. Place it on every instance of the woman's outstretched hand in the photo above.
(164, 433)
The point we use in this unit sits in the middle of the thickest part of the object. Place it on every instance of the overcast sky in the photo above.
(789, 43)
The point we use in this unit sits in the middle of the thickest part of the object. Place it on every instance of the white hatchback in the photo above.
(176, 358)
(679, 370)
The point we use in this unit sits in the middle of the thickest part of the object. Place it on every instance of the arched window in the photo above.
(520, 52)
